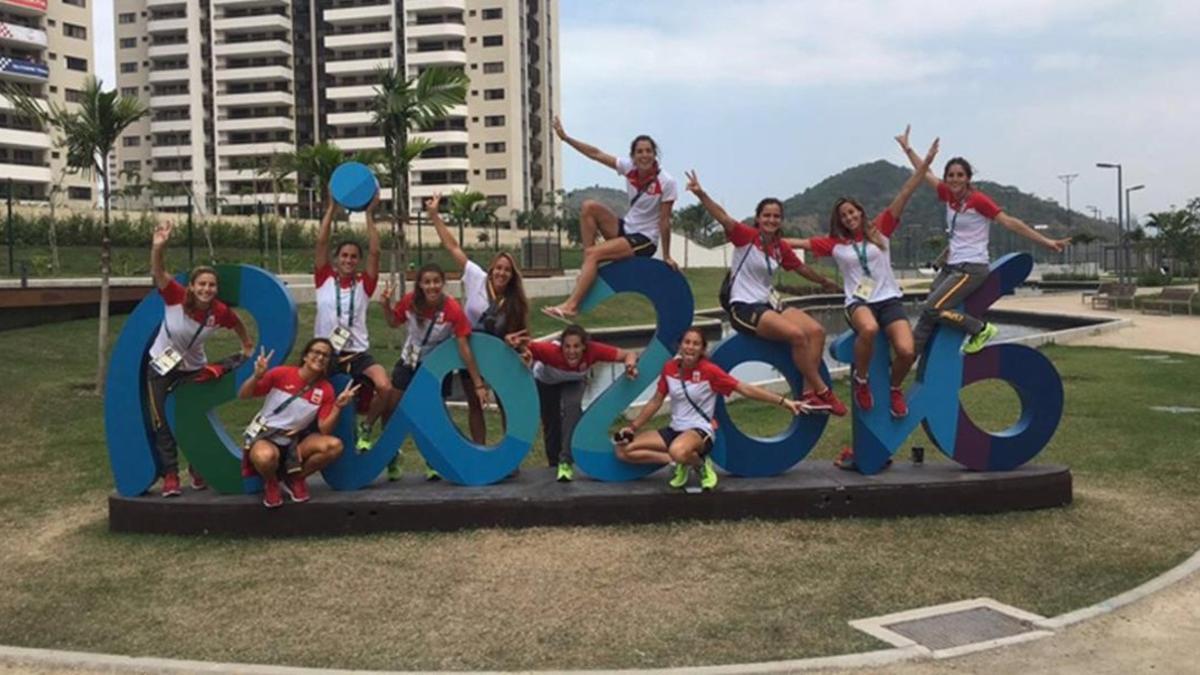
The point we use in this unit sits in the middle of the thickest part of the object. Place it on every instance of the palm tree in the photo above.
(402, 105)
(692, 220)
(89, 134)
(316, 163)
(465, 207)
(279, 170)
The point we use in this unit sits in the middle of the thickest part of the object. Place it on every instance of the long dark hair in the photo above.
(516, 312)
(839, 231)
(328, 362)
(419, 300)
(966, 166)
(189, 299)
(703, 341)
(638, 139)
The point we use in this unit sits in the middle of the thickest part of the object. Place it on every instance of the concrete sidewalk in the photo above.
(1175, 333)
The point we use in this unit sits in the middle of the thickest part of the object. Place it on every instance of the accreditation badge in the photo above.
(166, 361)
(255, 430)
(339, 338)
(865, 289)
(775, 301)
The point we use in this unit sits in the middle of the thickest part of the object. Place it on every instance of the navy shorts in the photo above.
(669, 435)
(744, 316)
(884, 311)
(402, 377)
(640, 243)
(355, 365)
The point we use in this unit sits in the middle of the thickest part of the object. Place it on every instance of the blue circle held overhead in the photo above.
(353, 185)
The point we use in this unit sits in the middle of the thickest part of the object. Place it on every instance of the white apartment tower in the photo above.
(46, 52)
(232, 82)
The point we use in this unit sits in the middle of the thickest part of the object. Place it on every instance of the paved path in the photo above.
(1175, 333)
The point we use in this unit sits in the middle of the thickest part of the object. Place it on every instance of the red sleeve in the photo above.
(174, 293)
(670, 369)
(225, 316)
(741, 234)
(788, 257)
(322, 274)
(400, 309)
(943, 192)
(328, 397)
(886, 223)
(598, 351)
(822, 246)
(370, 283)
(542, 350)
(662, 383)
(267, 381)
(722, 382)
(454, 314)
(984, 205)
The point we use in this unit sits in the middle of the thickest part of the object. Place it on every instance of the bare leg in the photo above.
(685, 449)
(900, 334)
(646, 448)
(383, 393)
(594, 218)
(865, 329)
(475, 421)
(318, 451)
(801, 333)
(264, 456)
(614, 249)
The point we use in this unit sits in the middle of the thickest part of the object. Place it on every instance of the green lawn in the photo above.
(635, 596)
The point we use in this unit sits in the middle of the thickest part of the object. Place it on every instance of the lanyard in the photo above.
(428, 331)
(283, 406)
(683, 385)
(195, 335)
(337, 288)
(862, 256)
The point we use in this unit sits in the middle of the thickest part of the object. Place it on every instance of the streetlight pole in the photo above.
(1128, 219)
(1124, 258)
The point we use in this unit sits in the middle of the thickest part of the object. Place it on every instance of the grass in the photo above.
(659, 595)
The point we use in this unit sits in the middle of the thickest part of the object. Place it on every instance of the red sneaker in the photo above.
(836, 407)
(862, 394)
(198, 482)
(815, 403)
(296, 488)
(170, 486)
(899, 406)
(845, 459)
(272, 497)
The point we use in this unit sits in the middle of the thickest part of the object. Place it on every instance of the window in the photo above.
(75, 63)
(493, 13)
(493, 94)
(131, 165)
(73, 95)
(131, 141)
(497, 200)
(131, 92)
(128, 43)
(73, 31)
(493, 40)
(492, 148)
(497, 174)
(493, 121)
(79, 193)
(77, 3)
(127, 17)
(129, 67)
(493, 67)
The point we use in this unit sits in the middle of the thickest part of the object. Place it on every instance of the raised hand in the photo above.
(558, 128)
(693, 182)
(517, 340)
(1058, 245)
(263, 361)
(385, 296)
(631, 370)
(347, 395)
(431, 204)
(162, 233)
(902, 139)
(933, 151)
(371, 208)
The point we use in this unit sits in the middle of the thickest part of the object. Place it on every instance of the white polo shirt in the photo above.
(642, 216)
(754, 263)
(292, 404)
(186, 332)
(703, 384)
(847, 253)
(968, 222)
(343, 302)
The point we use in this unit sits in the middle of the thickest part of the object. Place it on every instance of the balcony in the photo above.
(172, 176)
(356, 118)
(356, 92)
(6, 104)
(173, 75)
(167, 25)
(357, 66)
(254, 22)
(19, 138)
(441, 57)
(24, 7)
(265, 148)
(169, 151)
(170, 101)
(435, 30)
(257, 73)
(358, 14)
(265, 198)
(24, 173)
(175, 49)
(359, 143)
(255, 124)
(257, 48)
(249, 3)
(20, 70)
(443, 137)
(163, 4)
(373, 39)
(166, 126)
(419, 190)
(429, 5)
(441, 164)
(22, 36)
(256, 98)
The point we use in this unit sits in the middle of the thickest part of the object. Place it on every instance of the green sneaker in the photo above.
(980, 339)
(363, 444)
(430, 474)
(394, 470)
(708, 475)
(566, 474)
(680, 478)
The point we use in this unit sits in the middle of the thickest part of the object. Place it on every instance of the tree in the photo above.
(692, 220)
(279, 171)
(1180, 233)
(464, 207)
(89, 134)
(402, 105)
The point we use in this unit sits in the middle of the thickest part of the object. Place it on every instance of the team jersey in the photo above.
(343, 302)
(968, 222)
(551, 367)
(477, 299)
(754, 263)
(279, 385)
(702, 385)
(642, 216)
(185, 331)
(846, 253)
(431, 328)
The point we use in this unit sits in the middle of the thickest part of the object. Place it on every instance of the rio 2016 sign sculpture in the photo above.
(933, 399)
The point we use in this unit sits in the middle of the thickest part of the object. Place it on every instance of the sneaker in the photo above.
(363, 444)
(394, 470)
(815, 403)
(899, 405)
(566, 474)
(845, 459)
(198, 482)
(170, 485)
(296, 488)
(430, 474)
(862, 394)
(272, 496)
(836, 407)
(708, 474)
(980, 339)
(680, 478)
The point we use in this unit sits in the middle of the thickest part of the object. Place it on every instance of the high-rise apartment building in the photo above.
(232, 82)
(46, 52)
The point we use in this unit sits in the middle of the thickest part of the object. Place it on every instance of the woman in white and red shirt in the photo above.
(191, 316)
(343, 294)
(294, 428)
(693, 383)
(561, 368)
(430, 317)
(860, 249)
(645, 226)
(753, 307)
(969, 216)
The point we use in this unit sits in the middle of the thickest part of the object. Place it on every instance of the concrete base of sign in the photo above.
(533, 498)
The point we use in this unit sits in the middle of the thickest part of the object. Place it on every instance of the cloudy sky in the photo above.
(766, 97)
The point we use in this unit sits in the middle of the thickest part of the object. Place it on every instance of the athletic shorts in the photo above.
(355, 365)
(884, 311)
(669, 435)
(744, 316)
(640, 243)
(402, 376)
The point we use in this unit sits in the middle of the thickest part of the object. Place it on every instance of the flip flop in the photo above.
(557, 313)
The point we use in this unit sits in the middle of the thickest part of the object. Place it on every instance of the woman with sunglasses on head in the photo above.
(297, 398)
(692, 382)
(191, 316)
(343, 293)
(645, 226)
(493, 300)
(753, 307)
(969, 216)
(430, 317)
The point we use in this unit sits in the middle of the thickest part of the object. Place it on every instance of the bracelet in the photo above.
(782, 398)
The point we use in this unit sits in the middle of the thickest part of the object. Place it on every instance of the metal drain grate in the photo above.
(956, 629)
